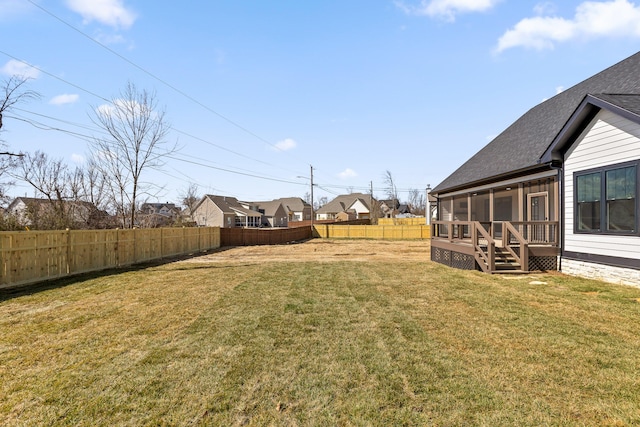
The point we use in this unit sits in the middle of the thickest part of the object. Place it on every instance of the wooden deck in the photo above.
(496, 247)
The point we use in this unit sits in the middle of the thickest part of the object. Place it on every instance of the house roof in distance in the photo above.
(344, 202)
(270, 208)
(522, 145)
(229, 205)
(293, 204)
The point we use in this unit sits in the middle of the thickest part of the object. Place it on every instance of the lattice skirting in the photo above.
(453, 259)
(543, 263)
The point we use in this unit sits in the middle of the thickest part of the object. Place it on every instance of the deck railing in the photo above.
(544, 233)
(484, 247)
(512, 237)
(515, 238)
(539, 232)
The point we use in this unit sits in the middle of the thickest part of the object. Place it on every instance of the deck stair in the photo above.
(504, 261)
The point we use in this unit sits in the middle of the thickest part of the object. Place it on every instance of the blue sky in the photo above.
(256, 91)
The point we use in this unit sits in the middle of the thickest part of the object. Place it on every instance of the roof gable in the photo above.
(624, 105)
(293, 204)
(342, 202)
(271, 208)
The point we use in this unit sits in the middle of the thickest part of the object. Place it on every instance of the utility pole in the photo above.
(371, 204)
(427, 206)
(312, 214)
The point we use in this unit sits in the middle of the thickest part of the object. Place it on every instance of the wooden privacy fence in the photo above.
(34, 256)
(403, 221)
(399, 232)
(256, 236)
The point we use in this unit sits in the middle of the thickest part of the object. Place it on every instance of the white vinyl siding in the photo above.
(360, 208)
(608, 140)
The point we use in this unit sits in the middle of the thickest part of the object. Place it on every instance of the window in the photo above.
(588, 202)
(605, 200)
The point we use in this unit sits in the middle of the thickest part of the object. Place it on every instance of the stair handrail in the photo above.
(487, 260)
(523, 257)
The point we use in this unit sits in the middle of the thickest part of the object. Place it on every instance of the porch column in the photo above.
(521, 202)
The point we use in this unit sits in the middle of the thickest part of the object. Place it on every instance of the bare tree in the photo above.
(137, 142)
(69, 198)
(321, 202)
(417, 201)
(51, 180)
(190, 199)
(391, 191)
(13, 92)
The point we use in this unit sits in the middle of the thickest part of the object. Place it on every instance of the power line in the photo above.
(43, 126)
(236, 172)
(150, 74)
(109, 101)
(87, 137)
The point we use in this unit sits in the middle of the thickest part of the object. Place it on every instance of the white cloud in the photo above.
(615, 18)
(108, 12)
(447, 9)
(63, 99)
(546, 8)
(124, 108)
(347, 173)
(17, 68)
(285, 145)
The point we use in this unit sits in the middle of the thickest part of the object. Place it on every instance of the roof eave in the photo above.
(581, 117)
(501, 177)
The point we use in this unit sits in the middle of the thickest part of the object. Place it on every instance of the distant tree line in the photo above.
(107, 190)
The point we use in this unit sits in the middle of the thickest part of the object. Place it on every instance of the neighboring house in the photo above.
(394, 209)
(273, 214)
(404, 209)
(158, 214)
(47, 214)
(224, 211)
(358, 202)
(297, 209)
(558, 189)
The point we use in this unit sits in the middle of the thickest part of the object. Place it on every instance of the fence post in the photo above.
(68, 250)
(117, 247)
(9, 259)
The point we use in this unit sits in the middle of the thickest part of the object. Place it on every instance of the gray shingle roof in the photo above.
(230, 205)
(342, 202)
(629, 102)
(522, 144)
(270, 208)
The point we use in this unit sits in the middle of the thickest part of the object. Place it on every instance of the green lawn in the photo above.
(339, 343)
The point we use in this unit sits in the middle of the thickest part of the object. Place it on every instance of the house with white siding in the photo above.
(556, 190)
(358, 203)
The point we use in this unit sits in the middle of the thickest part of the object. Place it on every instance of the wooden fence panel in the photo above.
(92, 250)
(126, 248)
(172, 241)
(395, 232)
(402, 221)
(33, 256)
(258, 236)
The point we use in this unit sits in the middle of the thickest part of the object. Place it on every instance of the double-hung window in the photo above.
(606, 200)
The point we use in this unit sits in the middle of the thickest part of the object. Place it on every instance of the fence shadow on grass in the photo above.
(11, 292)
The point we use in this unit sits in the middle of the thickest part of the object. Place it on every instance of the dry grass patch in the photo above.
(291, 341)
